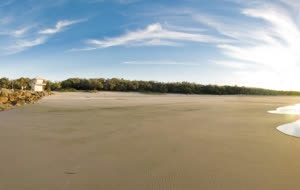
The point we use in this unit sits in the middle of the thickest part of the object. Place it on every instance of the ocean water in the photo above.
(293, 128)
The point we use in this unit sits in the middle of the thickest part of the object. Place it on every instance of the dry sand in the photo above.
(130, 141)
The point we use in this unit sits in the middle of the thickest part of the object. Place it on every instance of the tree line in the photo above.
(122, 85)
(15, 84)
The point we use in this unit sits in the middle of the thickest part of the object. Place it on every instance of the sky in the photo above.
(253, 43)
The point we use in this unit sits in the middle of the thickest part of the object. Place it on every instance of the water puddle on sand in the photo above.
(293, 128)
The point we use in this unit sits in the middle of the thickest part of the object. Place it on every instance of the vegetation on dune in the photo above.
(122, 85)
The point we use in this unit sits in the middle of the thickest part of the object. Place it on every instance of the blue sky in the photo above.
(225, 42)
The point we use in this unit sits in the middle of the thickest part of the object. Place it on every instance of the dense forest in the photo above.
(115, 84)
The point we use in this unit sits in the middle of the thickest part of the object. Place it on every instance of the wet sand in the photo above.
(131, 141)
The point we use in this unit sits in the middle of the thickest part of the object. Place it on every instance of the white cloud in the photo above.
(15, 33)
(265, 53)
(160, 62)
(127, 1)
(21, 45)
(60, 26)
(292, 3)
(156, 42)
(281, 23)
(234, 64)
(19, 32)
(20, 39)
(31, 43)
(21, 24)
(232, 28)
(153, 35)
(184, 28)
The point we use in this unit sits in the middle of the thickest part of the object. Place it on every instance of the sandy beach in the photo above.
(132, 141)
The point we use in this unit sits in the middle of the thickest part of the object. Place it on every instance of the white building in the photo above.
(38, 84)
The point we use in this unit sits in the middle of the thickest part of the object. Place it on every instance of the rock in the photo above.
(2, 107)
(21, 97)
(5, 106)
(3, 99)
(27, 94)
(21, 102)
(14, 102)
(29, 99)
(11, 98)
(37, 95)
(5, 92)
(9, 106)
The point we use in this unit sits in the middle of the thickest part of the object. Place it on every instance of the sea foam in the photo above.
(293, 128)
(292, 110)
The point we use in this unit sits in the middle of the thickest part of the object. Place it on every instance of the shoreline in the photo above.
(293, 128)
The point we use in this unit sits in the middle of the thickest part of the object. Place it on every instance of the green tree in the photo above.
(5, 83)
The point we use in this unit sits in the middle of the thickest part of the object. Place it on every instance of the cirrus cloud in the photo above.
(60, 26)
(270, 46)
(18, 40)
(153, 35)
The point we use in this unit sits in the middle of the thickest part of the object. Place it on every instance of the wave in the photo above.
(293, 128)
(292, 110)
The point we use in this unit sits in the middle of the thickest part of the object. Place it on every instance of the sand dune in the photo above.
(134, 141)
